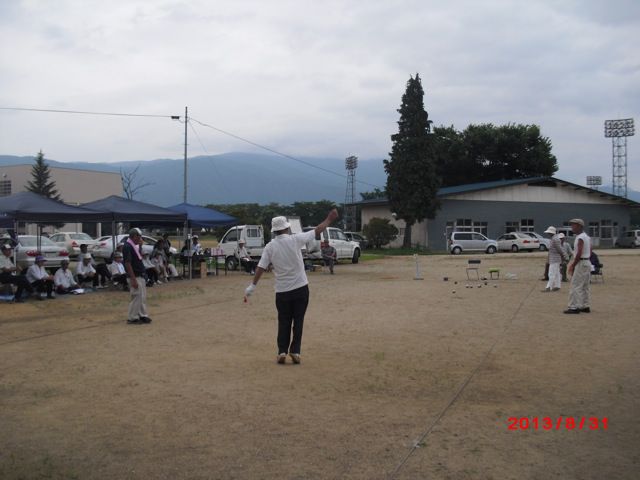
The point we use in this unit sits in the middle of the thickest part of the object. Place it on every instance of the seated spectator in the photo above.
(166, 246)
(196, 248)
(595, 263)
(39, 279)
(152, 271)
(63, 279)
(244, 258)
(85, 271)
(118, 273)
(329, 255)
(102, 269)
(158, 262)
(8, 273)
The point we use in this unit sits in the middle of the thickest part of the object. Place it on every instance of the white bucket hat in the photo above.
(551, 230)
(561, 235)
(279, 223)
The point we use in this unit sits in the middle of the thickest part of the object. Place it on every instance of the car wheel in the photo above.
(356, 256)
(232, 263)
(456, 250)
(543, 248)
(491, 249)
(514, 248)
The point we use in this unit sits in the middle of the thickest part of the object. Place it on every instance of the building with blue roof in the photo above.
(524, 204)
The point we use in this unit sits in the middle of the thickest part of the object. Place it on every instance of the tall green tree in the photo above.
(41, 183)
(485, 152)
(412, 179)
(376, 193)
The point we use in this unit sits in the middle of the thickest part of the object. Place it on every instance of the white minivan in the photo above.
(630, 239)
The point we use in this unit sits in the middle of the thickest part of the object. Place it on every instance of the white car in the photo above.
(72, 241)
(516, 241)
(104, 247)
(544, 242)
(345, 249)
(27, 249)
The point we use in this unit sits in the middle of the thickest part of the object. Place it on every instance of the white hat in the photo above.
(551, 230)
(279, 223)
(135, 231)
(577, 221)
(6, 246)
(561, 235)
(87, 256)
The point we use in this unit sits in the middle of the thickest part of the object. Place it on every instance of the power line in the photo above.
(222, 184)
(280, 153)
(79, 112)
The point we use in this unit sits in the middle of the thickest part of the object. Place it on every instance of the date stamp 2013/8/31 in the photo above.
(557, 423)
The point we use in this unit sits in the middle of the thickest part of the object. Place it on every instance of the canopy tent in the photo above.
(202, 217)
(34, 208)
(124, 210)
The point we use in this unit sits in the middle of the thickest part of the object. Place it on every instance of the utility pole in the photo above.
(186, 122)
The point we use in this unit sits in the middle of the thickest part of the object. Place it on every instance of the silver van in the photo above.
(471, 242)
(630, 239)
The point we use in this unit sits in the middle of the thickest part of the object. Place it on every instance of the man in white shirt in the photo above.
(580, 269)
(284, 254)
(8, 273)
(39, 278)
(85, 271)
(244, 258)
(63, 279)
(118, 272)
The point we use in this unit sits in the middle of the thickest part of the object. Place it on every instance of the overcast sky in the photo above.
(314, 78)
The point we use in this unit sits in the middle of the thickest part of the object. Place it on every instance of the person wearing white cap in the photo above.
(117, 271)
(39, 278)
(566, 246)
(556, 255)
(63, 279)
(8, 273)
(137, 283)
(284, 253)
(85, 271)
(244, 258)
(580, 270)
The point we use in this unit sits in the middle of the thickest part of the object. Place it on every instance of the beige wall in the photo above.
(74, 186)
(418, 231)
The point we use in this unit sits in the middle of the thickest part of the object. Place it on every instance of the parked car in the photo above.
(516, 241)
(27, 249)
(630, 239)
(544, 242)
(357, 237)
(104, 246)
(72, 241)
(345, 249)
(471, 242)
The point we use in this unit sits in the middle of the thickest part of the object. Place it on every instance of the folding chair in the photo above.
(598, 273)
(473, 266)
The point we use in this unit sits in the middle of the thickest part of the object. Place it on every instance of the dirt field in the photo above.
(400, 379)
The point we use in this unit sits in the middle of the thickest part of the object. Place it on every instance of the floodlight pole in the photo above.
(618, 131)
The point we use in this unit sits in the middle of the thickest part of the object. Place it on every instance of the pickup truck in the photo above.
(345, 249)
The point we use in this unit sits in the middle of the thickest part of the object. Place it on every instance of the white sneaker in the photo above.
(282, 357)
(295, 357)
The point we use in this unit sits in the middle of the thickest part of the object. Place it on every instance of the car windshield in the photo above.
(80, 236)
(32, 241)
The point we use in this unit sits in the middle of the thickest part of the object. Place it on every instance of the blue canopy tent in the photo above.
(202, 217)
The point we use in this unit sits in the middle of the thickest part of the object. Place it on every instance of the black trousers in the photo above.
(249, 265)
(82, 279)
(43, 286)
(103, 272)
(19, 281)
(291, 307)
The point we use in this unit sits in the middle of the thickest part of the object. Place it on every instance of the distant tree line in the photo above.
(310, 213)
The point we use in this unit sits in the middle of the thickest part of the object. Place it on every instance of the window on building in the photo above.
(606, 229)
(527, 225)
(401, 232)
(5, 188)
(464, 225)
(511, 227)
(594, 229)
